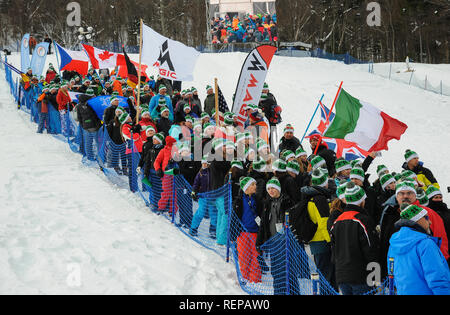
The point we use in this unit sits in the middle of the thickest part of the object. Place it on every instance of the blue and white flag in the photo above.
(100, 103)
(25, 53)
(39, 57)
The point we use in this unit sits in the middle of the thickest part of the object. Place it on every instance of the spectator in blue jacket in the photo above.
(419, 266)
(153, 106)
(202, 185)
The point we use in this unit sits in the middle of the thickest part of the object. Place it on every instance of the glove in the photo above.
(137, 129)
(160, 173)
(138, 170)
(176, 171)
(194, 196)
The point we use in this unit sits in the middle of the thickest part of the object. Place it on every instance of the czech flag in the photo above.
(73, 60)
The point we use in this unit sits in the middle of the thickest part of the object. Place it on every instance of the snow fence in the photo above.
(280, 267)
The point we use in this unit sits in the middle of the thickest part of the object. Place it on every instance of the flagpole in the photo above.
(314, 115)
(217, 101)
(138, 101)
(328, 117)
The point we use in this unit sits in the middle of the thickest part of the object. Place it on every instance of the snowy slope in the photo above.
(53, 218)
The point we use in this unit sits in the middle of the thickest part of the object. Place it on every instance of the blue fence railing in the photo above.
(282, 266)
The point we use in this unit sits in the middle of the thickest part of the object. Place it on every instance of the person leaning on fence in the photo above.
(354, 243)
(150, 152)
(166, 168)
(275, 207)
(64, 102)
(202, 185)
(419, 266)
(248, 209)
(43, 103)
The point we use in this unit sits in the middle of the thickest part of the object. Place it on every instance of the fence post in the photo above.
(315, 282)
(390, 71)
(391, 276)
(426, 81)
(410, 78)
(441, 87)
(229, 218)
(286, 234)
(173, 198)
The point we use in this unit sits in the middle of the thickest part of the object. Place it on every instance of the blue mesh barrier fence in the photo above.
(282, 266)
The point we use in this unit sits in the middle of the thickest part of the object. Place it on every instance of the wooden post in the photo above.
(217, 102)
(138, 101)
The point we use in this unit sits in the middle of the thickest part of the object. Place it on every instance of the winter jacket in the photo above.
(63, 99)
(289, 187)
(330, 158)
(247, 209)
(127, 131)
(202, 182)
(291, 144)
(219, 171)
(210, 104)
(355, 244)
(164, 157)
(419, 266)
(154, 105)
(317, 200)
(109, 114)
(280, 206)
(443, 211)
(189, 169)
(424, 175)
(149, 154)
(163, 125)
(261, 182)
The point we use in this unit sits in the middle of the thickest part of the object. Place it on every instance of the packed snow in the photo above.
(60, 218)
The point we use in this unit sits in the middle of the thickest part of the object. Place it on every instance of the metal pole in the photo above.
(229, 218)
(391, 276)
(286, 234)
(312, 118)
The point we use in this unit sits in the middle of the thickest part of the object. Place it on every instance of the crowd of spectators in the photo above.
(252, 28)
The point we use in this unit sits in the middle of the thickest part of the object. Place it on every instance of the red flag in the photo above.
(102, 59)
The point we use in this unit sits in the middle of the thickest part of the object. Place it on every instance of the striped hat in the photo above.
(189, 118)
(246, 182)
(247, 152)
(149, 128)
(248, 135)
(259, 165)
(218, 144)
(208, 126)
(229, 119)
(354, 195)
(300, 152)
(205, 115)
(113, 98)
(404, 185)
(412, 212)
(237, 164)
(279, 166)
(386, 179)
(317, 161)
(422, 197)
(432, 191)
(162, 87)
(409, 155)
(357, 173)
(319, 178)
(355, 163)
(409, 174)
(288, 154)
(184, 147)
(230, 145)
(342, 165)
(120, 110)
(274, 183)
(381, 170)
(261, 145)
(340, 191)
(240, 137)
(159, 137)
(293, 167)
(208, 87)
(288, 128)
(124, 117)
(165, 109)
(205, 160)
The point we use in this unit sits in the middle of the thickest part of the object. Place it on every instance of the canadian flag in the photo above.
(102, 59)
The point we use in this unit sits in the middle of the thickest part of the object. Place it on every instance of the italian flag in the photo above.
(364, 124)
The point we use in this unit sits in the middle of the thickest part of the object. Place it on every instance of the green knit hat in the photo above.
(288, 154)
(293, 167)
(412, 212)
(342, 165)
(300, 152)
(184, 147)
(317, 161)
(319, 178)
(218, 143)
(432, 191)
(240, 137)
(340, 191)
(409, 174)
(208, 126)
(355, 163)
(264, 96)
(159, 137)
(208, 87)
(113, 98)
(149, 128)
(404, 185)
(237, 164)
(354, 194)
(409, 155)
(397, 176)
(274, 183)
(259, 165)
(230, 145)
(385, 180)
(189, 118)
(422, 197)
(229, 119)
(246, 182)
(120, 110)
(357, 173)
(90, 92)
(381, 170)
(162, 87)
(124, 117)
(164, 109)
(279, 166)
(261, 145)
(205, 115)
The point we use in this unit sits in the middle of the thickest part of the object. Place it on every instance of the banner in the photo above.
(100, 103)
(174, 60)
(39, 57)
(25, 53)
(251, 80)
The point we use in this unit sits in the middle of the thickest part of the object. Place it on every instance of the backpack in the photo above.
(303, 227)
(275, 115)
(88, 118)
